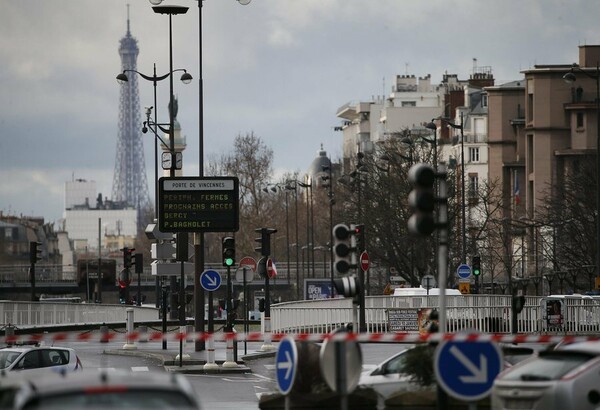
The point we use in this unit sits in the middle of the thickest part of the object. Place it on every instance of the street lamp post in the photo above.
(570, 78)
(186, 78)
(329, 177)
(199, 236)
(289, 187)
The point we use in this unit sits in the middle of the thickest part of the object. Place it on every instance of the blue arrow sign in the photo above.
(210, 280)
(463, 271)
(466, 370)
(286, 364)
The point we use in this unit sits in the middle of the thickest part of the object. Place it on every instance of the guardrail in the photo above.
(37, 314)
(483, 313)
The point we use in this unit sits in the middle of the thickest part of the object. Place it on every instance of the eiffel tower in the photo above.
(130, 185)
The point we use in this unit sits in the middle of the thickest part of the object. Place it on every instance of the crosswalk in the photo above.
(132, 368)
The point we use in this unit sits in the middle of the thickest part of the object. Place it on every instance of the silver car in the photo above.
(30, 358)
(564, 378)
(116, 389)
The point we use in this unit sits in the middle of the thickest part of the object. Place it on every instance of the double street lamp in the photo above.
(186, 78)
(570, 78)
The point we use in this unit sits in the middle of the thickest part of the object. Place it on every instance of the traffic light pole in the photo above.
(442, 224)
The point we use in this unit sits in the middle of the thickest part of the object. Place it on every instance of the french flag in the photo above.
(517, 192)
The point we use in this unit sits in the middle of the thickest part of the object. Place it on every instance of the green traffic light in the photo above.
(228, 261)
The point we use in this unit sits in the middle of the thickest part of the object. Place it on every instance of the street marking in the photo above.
(140, 369)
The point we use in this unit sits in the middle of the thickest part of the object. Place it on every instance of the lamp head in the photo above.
(244, 2)
(155, 2)
(122, 78)
(570, 77)
(144, 128)
(431, 126)
(186, 78)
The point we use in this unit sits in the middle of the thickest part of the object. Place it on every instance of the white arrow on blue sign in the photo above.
(210, 280)
(466, 370)
(286, 364)
(463, 271)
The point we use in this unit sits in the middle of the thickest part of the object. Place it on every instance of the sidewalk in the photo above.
(194, 362)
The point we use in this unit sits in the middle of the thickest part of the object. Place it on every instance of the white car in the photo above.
(411, 370)
(565, 378)
(29, 358)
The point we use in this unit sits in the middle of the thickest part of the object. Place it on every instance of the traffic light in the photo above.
(228, 251)
(348, 286)
(261, 305)
(127, 257)
(261, 267)
(359, 234)
(139, 263)
(264, 240)
(342, 248)
(35, 252)
(476, 265)
(422, 199)
(518, 303)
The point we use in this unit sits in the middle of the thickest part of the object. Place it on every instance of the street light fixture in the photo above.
(569, 79)
(460, 127)
(186, 78)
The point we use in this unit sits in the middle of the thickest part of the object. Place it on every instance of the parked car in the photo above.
(117, 389)
(564, 378)
(411, 370)
(29, 358)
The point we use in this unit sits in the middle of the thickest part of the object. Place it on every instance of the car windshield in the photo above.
(7, 357)
(120, 398)
(547, 366)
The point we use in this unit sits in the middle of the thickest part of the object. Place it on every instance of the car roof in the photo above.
(65, 383)
(592, 347)
(27, 348)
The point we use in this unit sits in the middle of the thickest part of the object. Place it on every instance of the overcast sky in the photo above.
(279, 68)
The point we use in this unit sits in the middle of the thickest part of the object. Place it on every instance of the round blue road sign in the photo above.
(210, 280)
(286, 364)
(463, 271)
(466, 370)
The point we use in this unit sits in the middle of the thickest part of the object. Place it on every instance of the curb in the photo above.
(190, 366)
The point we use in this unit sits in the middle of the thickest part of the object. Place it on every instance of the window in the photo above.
(579, 120)
(473, 154)
(484, 100)
(473, 185)
(409, 103)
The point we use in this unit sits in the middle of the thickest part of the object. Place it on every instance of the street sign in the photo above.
(364, 261)
(428, 281)
(463, 271)
(330, 365)
(249, 262)
(466, 370)
(210, 280)
(464, 288)
(167, 268)
(286, 364)
(271, 269)
(240, 272)
(198, 204)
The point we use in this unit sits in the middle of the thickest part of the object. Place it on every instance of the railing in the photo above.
(35, 314)
(483, 313)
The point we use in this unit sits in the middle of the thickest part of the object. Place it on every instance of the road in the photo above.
(216, 391)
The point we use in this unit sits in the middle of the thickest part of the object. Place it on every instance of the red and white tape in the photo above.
(137, 336)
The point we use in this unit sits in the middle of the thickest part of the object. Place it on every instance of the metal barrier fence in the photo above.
(30, 314)
(483, 313)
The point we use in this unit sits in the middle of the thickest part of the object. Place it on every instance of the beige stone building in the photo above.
(539, 129)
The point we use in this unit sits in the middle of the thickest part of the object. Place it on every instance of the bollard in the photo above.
(184, 356)
(129, 344)
(104, 333)
(210, 356)
(229, 356)
(143, 331)
(266, 327)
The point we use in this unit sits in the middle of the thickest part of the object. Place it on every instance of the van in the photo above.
(421, 291)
